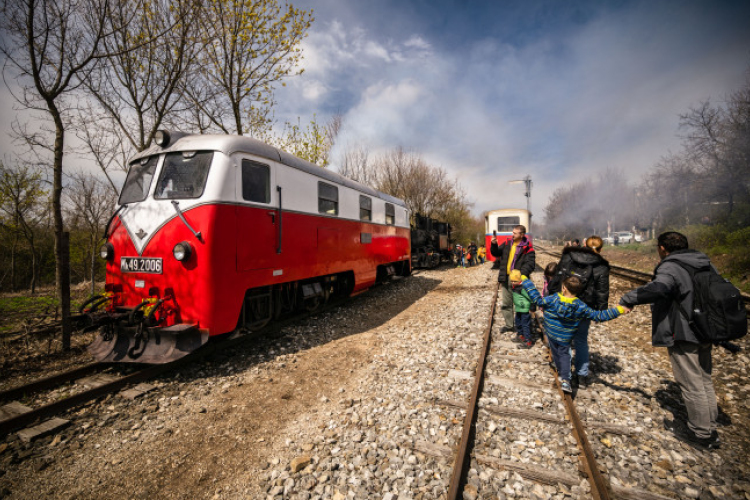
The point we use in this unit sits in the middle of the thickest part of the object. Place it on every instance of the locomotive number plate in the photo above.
(140, 265)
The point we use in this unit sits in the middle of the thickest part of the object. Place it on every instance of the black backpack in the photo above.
(584, 272)
(718, 309)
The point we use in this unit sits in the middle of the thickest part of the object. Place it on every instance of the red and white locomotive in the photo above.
(501, 222)
(216, 233)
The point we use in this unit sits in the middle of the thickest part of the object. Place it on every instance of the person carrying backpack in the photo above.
(676, 298)
(593, 270)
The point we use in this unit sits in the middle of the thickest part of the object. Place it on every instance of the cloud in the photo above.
(602, 92)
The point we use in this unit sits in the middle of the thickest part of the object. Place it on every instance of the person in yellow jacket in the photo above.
(481, 254)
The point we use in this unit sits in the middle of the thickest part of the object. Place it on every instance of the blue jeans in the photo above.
(581, 345)
(561, 356)
(523, 325)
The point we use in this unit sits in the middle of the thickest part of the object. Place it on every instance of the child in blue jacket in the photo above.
(562, 313)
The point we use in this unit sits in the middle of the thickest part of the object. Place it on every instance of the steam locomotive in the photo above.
(430, 242)
(218, 233)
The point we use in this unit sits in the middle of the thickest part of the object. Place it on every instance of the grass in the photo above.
(15, 308)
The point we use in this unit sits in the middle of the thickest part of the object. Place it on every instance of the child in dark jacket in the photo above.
(562, 313)
(521, 304)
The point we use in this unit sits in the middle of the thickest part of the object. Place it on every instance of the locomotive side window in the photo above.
(328, 199)
(139, 179)
(365, 208)
(184, 175)
(390, 214)
(256, 182)
(506, 224)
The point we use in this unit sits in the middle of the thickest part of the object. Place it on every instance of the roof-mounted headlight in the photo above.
(182, 251)
(161, 137)
(107, 251)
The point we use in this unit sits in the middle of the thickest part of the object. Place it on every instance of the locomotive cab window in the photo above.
(328, 199)
(365, 208)
(183, 175)
(390, 214)
(256, 182)
(506, 224)
(138, 181)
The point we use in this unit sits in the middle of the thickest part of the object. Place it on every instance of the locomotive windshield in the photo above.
(506, 224)
(183, 175)
(138, 181)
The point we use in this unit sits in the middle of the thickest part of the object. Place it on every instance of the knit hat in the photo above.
(515, 275)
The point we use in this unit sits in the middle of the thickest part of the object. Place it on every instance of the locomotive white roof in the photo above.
(507, 210)
(230, 144)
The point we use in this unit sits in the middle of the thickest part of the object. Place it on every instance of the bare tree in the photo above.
(355, 164)
(90, 204)
(50, 47)
(717, 142)
(137, 88)
(426, 189)
(250, 46)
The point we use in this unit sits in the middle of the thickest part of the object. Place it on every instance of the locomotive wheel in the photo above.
(314, 303)
(258, 309)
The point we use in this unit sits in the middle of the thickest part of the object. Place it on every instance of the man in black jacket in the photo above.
(595, 268)
(671, 288)
(516, 253)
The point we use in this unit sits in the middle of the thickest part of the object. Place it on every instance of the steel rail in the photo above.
(599, 487)
(45, 328)
(46, 383)
(149, 371)
(461, 465)
(24, 419)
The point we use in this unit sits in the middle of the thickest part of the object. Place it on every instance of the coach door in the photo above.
(257, 218)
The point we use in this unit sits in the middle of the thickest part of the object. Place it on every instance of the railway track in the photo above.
(100, 379)
(498, 379)
(517, 417)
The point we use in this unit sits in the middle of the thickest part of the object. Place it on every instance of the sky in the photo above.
(492, 91)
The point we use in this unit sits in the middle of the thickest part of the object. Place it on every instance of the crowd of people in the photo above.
(469, 256)
(576, 292)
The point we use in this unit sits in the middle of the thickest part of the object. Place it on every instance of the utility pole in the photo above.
(527, 181)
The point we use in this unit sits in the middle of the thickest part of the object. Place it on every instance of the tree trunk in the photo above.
(32, 285)
(62, 264)
(93, 266)
(13, 263)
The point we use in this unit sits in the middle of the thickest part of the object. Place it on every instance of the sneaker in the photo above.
(584, 381)
(566, 386)
(688, 437)
(518, 339)
(526, 344)
(507, 329)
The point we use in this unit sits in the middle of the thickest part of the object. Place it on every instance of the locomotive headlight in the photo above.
(107, 251)
(182, 251)
(161, 137)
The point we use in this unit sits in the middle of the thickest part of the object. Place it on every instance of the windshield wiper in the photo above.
(176, 206)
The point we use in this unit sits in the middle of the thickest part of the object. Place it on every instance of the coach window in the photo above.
(390, 214)
(506, 224)
(328, 199)
(184, 175)
(256, 182)
(138, 181)
(365, 208)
